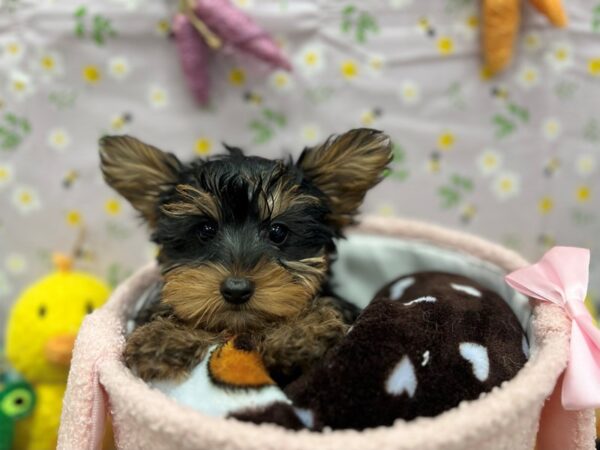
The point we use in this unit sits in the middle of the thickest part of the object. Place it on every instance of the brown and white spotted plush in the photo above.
(425, 343)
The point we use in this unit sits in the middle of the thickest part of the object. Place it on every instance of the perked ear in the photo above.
(138, 171)
(345, 167)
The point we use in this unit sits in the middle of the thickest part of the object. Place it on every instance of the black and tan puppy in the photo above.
(245, 247)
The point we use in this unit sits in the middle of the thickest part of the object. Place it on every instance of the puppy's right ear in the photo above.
(138, 171)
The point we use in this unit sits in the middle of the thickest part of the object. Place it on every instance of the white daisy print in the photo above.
(585, 164)
(118, 123)
(7, 174)
(368, 118)
(310, 59)
(158, 97)
(400, 4)
(59, 139)
(375, 64)
(20, 84)
(310, 134)
(489, 161)
(559, 56)
(11, 50)
(506, 185)
(26, 199)
(528, 76)
(15, 263)
(119, 67)
(281, 81)
(410, 92)
(532, 41)
(49, 64)
(551, 128)
(5, 286)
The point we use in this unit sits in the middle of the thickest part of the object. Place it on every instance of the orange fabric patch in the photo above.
(238, 368)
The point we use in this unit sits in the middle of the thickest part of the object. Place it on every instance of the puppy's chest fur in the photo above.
(288, 348)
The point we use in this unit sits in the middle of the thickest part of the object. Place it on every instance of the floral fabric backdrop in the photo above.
(514, 159)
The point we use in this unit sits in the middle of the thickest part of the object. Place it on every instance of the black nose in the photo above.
(237, 290)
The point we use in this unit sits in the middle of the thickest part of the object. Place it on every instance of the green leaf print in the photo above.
(264, 128)
(452, 194)
(504, 126)
(115, 274)
(521, 113)
(13, 130)
(101, 27)
(397, 172)
(360, 23)
(565, 89)
(596, 19)
(63, 99)
(591, 131)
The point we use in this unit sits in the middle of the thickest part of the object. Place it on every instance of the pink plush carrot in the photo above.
(194, 56)
(239, 31)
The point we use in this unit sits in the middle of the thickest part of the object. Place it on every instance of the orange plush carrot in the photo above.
(501, 20)
(553, 10)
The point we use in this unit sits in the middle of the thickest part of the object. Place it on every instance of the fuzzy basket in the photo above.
(515, 416)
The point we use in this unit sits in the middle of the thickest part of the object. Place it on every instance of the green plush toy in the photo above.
(17, 400)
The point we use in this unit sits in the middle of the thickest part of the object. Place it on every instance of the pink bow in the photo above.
(561, 277)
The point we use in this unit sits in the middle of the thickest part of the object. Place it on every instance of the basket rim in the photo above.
(515, 399)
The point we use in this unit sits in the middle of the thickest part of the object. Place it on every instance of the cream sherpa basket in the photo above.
(515, 416)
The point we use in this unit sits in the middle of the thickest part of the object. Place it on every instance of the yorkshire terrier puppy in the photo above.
(245, 247)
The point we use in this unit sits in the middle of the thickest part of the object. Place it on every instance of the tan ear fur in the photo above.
(138, 171)
(345, 167)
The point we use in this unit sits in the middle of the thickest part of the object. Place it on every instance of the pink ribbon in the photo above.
(561, 277)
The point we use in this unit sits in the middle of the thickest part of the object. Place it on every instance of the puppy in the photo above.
(245, 247)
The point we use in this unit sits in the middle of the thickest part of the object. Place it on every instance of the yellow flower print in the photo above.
(6, 174)
(112, 206)
(545, 205)
(349, 69)
(583, 194)
(237, 76)
(367, 118)
(15, 263)
(594, 67)
(158, 97)
(310, 134)
(445, 45)
(532, 41)
(73, 218)
(446, 141)
(386, 211)
(163, 27)
(91, 74)
(203, 146)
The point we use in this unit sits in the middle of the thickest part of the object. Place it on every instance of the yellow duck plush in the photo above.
(40, 335)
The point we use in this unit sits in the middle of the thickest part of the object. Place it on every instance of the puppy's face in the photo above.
(244, 241)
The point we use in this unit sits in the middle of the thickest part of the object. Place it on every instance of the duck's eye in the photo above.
(42, 311)
(89, 308)
(208, 229)
(278, 233)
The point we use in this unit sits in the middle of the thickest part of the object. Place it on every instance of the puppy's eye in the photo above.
(208, 229)
(278, 233)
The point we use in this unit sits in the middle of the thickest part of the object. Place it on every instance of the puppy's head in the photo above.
(243, 240)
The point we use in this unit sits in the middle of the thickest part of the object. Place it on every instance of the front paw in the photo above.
(145, 354)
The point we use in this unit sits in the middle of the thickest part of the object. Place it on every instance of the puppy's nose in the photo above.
(237, 290)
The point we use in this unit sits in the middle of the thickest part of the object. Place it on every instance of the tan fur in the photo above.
(281, 198)
(194, 294)
(193, 203)
(138, 171)
(167, 349)
(345, 167)
(300, 342)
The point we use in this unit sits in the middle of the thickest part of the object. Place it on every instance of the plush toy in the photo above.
(17, 400)
(40, 335)
(425, 343)
(213, 24)
(501, 22)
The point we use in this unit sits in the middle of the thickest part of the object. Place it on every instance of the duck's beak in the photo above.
(59, 349)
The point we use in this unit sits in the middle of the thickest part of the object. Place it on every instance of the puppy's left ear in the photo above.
(345, 167)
